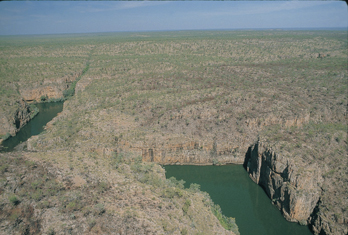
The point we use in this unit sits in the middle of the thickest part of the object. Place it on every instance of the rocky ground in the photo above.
(115, 197)
(265, 99)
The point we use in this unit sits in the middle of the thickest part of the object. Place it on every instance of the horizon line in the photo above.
(178, 30)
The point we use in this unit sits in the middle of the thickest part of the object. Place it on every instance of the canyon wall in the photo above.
(294, 187)
(20, 113)
(15, 114)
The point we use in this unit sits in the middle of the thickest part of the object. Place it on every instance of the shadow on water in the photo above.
(239, 197)
(35, 126)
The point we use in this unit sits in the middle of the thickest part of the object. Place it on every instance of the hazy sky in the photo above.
(81, 17)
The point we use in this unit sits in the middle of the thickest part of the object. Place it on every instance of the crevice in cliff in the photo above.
(247, 158)
(17, 123)
(295, 195)
(315, 223)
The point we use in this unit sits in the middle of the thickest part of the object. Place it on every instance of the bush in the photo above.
(102, 187)
(117, 159)
(168, 193)
(14, 200)
(228, 223)
(216, 162)
(43, 98)
(194, 188)
(69, 92)
(172, 181)
(51, 231)
(186, 206)
(37, 195)
(99, 209)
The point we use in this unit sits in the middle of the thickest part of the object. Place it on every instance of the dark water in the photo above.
(239, 197)
(47, 112)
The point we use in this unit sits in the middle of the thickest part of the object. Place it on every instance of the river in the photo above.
(47, 111)
(239, 197)
(229, 185)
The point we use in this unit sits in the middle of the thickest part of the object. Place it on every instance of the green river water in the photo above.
(35, 126)
(229, 186)
(239, 197)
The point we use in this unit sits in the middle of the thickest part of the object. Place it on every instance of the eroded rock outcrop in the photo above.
(16, 119)
(47, 92)
(295, 190)
(192, 152)
(48, 89)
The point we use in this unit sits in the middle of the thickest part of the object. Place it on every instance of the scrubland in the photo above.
(185, 98)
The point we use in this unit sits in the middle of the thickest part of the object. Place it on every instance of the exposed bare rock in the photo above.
(35, 94)
(11, 122)
(48, 89)
(294, 190)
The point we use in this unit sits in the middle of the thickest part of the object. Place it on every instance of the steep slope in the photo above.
(266, 99)
(96, 195)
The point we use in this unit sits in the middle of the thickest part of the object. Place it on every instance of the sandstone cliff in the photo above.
(15, 117)
(49, 89)
(295, 192)
(296, 188)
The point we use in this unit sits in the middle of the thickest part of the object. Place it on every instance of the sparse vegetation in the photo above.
(14, 200)
(180, 97)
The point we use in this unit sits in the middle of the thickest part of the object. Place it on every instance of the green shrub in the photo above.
(194, 188)
(69, 92)
(117, 159)
(186, 206)
(99, 209)
(102, 187)
(179, 192)
(72, 206)
(14, 200)
(51, 231)
(43, 98)
(172, 181)
(37, 195)
(216, 162)
(168, 192)
(228, 223)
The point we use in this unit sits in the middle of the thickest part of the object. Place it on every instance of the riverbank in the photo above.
(203, 99)
(239, 197)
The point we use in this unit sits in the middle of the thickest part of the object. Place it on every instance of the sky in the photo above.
(51, 17)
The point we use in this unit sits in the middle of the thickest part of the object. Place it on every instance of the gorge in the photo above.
(262, 100)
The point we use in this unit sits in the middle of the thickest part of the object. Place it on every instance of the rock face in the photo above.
(294, 190)
(192, 152)
(19, 117)
(36, 94)
(50, 89)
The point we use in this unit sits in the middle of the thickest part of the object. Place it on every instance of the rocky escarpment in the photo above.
(294, 190)
(294, 187)
(49, 89)
(19, 114)
(16, 112)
